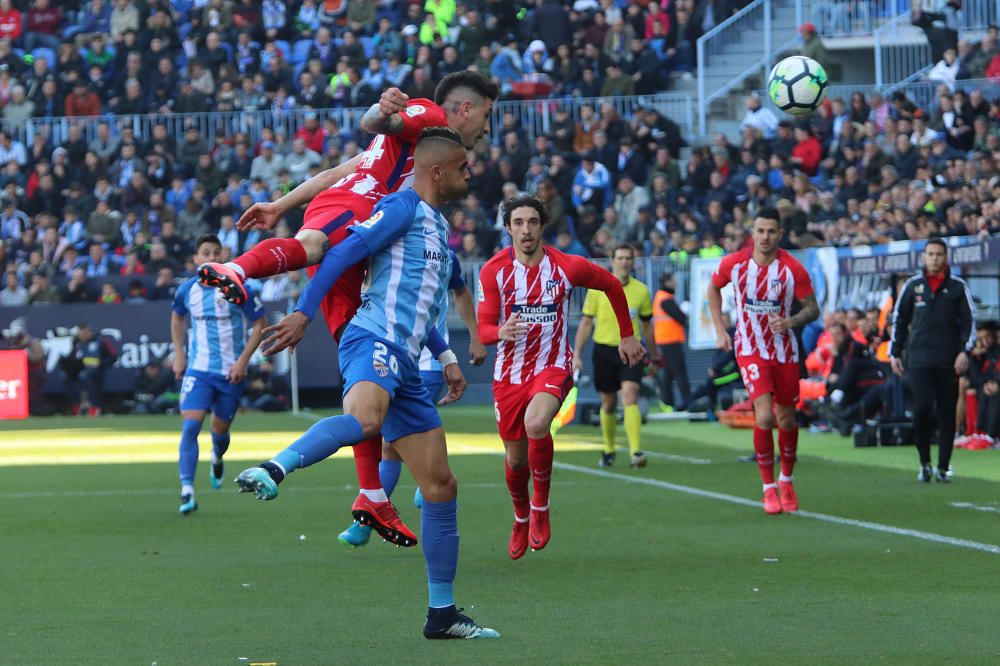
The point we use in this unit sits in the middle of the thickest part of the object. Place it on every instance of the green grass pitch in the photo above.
(661, 565)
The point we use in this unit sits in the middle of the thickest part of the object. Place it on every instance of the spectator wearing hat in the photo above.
(812, 44)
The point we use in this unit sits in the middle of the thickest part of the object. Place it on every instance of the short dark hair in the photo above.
(623, 246)
(525, 201)
(770, 214)
(206, 238)
(474, 81)
(446, 133)
(936, 240)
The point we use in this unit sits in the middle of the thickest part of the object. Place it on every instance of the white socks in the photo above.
(375, 495)
(187, 489)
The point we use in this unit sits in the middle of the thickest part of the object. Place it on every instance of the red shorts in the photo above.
(762, 376)
(333, 212)
(510, 401)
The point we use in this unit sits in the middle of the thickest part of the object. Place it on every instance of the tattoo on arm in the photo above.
(808, 313)
(376, 123)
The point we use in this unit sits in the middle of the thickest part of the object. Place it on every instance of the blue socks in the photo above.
(388, 473)
(220, 444)
(439, 537)
(320, 442)
(188, 458)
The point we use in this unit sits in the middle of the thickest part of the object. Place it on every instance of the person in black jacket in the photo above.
(85, 367)
(984, 377)
(934, 323)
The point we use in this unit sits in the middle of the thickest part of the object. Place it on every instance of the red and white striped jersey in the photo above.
(541, 295)
(387, 164)
(762, 291)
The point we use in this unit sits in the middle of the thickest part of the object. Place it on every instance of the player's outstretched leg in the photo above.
(187, 463)
(220, 444)
(318, 443)
(269, 257)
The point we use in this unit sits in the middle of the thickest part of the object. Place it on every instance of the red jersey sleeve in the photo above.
(488, 313)
(722, 274)
(803, 283)
(420, 114)
(583, 273)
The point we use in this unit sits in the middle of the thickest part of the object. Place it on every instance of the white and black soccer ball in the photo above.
(797, 85)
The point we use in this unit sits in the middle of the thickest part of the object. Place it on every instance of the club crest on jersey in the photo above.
(553, 288)
(775, 284)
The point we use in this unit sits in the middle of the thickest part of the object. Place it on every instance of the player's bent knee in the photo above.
(443, 489)
(537, 427)
(765, 421)
(315, 243)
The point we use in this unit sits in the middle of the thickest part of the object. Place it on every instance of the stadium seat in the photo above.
(300, 52)
(284, 47)
(48, 54)
(368, 44)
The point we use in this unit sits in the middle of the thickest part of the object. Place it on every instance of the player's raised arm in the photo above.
(582, 272)
(384, 118)
(265, 215)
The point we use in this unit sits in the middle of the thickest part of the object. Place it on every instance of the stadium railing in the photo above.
(739, 38)
(535, 116)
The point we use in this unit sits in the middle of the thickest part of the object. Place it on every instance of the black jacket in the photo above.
(933, 328)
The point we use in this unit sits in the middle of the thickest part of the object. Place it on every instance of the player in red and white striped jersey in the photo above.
(523, 308)
(344, 196)
(767, 282)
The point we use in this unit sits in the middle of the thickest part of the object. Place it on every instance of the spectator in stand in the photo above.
(759, 117)
(946, 70)
(14, 293)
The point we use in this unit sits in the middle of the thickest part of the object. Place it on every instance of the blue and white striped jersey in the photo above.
(406, 289)
(218, 329)
(427, 361)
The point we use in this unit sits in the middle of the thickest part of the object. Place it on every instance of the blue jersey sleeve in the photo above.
(253, 309)
(456, 283)
(390, 222)
(180, 298)
(339, 258)
(435, 342)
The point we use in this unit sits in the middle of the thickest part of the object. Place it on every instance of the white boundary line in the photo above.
(836, 520)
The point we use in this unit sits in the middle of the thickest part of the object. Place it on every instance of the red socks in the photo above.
(788, 444)
(540, 453)
(367, 455)
(763, 446)
(517, 483)
(271, 257)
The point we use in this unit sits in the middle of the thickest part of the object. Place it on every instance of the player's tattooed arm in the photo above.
(376, 122)
(808, 313)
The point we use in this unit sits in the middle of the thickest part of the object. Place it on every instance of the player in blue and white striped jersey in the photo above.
(432, 375)
(212, 363)
(405, 293)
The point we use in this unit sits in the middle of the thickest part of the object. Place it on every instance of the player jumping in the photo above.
(213, 365)
(523, 308)
(406, 289)
(341, 197)
(767, 281)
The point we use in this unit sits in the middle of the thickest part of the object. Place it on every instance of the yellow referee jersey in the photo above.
(597, 305)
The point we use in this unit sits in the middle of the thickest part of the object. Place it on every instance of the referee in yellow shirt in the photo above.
(610, 374)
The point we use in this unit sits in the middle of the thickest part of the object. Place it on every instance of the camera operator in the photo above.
(85, 367)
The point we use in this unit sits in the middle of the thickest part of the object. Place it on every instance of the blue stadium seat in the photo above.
(284, 47)
(300, 52)
(368, 44)
(48, 54)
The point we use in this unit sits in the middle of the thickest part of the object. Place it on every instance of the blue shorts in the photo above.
(365, 357)
(209, 391)
(434, 381)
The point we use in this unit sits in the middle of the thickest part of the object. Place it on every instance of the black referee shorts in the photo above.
(610, 372)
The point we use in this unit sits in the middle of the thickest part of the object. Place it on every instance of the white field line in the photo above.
(976, 507)
(826, 518)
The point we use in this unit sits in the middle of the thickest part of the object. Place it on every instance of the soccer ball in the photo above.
(797, 85)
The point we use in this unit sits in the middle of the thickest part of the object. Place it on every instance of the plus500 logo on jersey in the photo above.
(13, 384)
(762, 306)
(545, 313)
